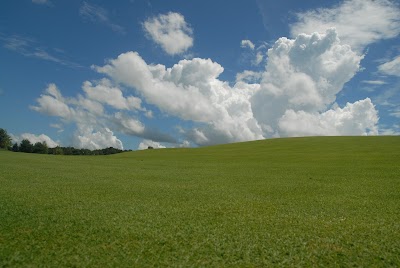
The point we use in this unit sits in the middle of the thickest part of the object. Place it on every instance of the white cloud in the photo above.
(59, 127)
(388, 97)
(88, 138)
(146, 143)
(28, 47)
(174, 89)
(359, 118)
(292, 96)
(52, 103)
(256, 55)
(99, 14)
(302, 77)
(247, 43)
(191, 90)
(303, 74)
(170, 31)
(392, 130)
(128, 125)
(41, 2)
(359, 22)
(95, 123)
(374, 82)
(391, 67)
(395, 112)
(184, 144)
(105, 92)
(35, 138)
(259, 58)
(248, 77)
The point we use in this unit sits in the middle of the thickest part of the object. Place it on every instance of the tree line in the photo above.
(26, 146)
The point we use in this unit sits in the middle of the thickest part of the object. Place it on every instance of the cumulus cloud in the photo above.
(359, 118)
(170, 31)
(104, 92)
(249, 77)
(247, 44)
(301, 81)
(88, 138)
(359, 22)
(146, 143)
(391, 67)
(94, 123)
(35, 138)
(128, 125)
(192, 91)
(52, 103)
(303, 74)
(292, 96)
(172, 90)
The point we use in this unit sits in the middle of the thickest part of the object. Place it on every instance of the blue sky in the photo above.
(131, 74)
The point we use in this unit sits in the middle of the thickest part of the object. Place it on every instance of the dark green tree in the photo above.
(40, 148)
(5, 139)
(26, 146)
(15, 147)
(58, 150)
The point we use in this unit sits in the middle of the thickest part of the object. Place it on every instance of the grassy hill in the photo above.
(321, 201)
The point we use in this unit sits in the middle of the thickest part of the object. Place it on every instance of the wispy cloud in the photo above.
(395, 112)
(389, 97)
(255, 54)
(59, 127)
(247, 43)
(391, 67)
(28, 47)
(389, 130)
(358, 22)
(374, 82)
(42, 2)
(98, 14)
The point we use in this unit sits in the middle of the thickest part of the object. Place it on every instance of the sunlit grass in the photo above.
(329, 201)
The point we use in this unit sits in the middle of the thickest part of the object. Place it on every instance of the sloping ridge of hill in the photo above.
(281, 149)
(308, 202)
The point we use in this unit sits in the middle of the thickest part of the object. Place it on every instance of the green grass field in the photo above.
(325, 201)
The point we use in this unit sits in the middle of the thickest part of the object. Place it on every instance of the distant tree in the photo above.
(68, 150)
(150, 147)
(58, 150)
(40, 148)
(15, 147)
(5, 139)
(111, 150)
(26, 146)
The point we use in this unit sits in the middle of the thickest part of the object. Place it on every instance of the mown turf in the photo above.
(326, 201)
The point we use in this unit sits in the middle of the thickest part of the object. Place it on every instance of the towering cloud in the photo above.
(302, 77)
(303, 74)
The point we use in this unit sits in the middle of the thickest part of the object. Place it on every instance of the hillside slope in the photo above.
(318, 201)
